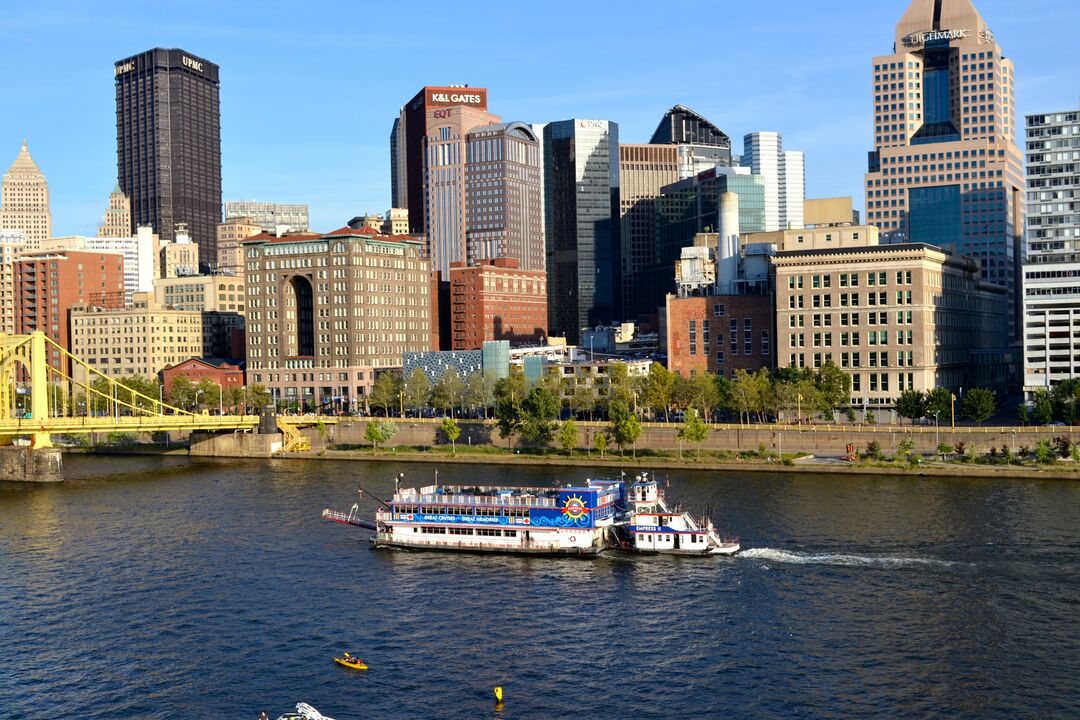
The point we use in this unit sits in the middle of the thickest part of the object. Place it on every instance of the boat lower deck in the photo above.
(488, 549)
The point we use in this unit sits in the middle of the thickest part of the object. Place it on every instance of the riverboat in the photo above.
(654, 527)
(580, 520)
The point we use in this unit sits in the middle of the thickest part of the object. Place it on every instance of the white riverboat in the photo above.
(583, 520)
(654, 527)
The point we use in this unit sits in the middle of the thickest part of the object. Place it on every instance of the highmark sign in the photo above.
(921, 38)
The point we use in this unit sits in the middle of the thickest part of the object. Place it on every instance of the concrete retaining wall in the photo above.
(234, 444)
(817, 439)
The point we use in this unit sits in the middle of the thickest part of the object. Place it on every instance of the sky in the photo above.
(309, 90)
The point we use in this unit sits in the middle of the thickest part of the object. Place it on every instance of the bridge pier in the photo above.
(205, 444)
(26, 464)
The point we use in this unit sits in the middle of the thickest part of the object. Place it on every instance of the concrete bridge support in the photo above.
(26, 464)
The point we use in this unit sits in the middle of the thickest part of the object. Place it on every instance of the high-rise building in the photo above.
(785, 187)
(497, 300)
(24, 200)
(140, 255)
(274, 218)
(643, 171)
(48, 283)
(117, 221)
(168, 144)
(581, 207)
(687, 208)
(503, 195)
(374, 306)
(700, 144)
(434, 112)
(12, 244)
(1051, 275)
(792, 189)
(945, 168)
(230, 253)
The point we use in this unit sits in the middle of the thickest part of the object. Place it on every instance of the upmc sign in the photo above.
(452, 96)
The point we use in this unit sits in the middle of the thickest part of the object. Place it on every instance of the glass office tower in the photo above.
(581, 197)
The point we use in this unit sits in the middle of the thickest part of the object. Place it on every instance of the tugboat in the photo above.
(653, 527)
(578, 520)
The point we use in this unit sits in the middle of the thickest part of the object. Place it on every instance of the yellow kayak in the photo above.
(351, 662)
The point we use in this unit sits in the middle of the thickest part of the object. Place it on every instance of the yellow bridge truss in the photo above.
(111, 406)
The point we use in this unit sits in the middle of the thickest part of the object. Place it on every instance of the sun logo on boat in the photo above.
(575, 508)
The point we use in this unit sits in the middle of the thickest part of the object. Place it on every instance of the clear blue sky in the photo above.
(309, 90)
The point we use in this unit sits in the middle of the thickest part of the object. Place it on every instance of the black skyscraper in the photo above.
(168, 144)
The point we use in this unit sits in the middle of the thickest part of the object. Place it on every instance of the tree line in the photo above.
(143, 393)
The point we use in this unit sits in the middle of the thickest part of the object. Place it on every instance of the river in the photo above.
(156, 587)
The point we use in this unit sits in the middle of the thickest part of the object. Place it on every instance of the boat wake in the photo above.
(882, 561)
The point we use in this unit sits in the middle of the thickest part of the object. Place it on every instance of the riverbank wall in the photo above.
(829, 440)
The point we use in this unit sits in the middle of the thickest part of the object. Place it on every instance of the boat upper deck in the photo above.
(491, 495)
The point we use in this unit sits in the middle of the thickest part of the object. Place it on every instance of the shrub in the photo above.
(1044, 453)
(944, 449)
(961, 446)
(873, 450)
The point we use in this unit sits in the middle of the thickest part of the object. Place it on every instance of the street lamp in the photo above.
(220, 407)
(243, 389)
(937, 428)
(952, 408)
(196, 405)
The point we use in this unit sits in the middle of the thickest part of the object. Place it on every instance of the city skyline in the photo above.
(338, 161)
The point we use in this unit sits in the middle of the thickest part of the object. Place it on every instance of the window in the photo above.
(766, 350)
(719, 310)
(693, 337)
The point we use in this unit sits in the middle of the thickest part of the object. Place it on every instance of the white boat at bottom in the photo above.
(304, 712)
(654, 527)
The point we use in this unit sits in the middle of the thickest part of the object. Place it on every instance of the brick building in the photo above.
(720, 333)
(222, 372)
(497, 300)
(49, 283)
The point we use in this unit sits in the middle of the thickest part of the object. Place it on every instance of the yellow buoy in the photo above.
(498, 695)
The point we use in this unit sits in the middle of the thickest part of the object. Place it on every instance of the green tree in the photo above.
(583, 399)
(702, 392)
(141, 392)
(658, 387)
(693, 430)
(939, 404)
(208, 394)
(417, 390)
(568, 436)
(979, 404)
(904, 449)
(1023, 415)
(620, 388)
(944, 449)
(834, 388)
(1042, 407)
(181, 392)
(479, 389)
(387, 391)
(452, 431)
(744, 394)
(1044, 453)
(539, 410)
(448, 391)
(509, 395)
(600, 442)
(911, 404)
(379, 432)
(625, 427)
(258, 397)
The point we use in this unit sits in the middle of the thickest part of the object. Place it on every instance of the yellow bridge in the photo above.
(107, 406)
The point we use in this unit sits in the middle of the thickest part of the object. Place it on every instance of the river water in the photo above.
(166, 588)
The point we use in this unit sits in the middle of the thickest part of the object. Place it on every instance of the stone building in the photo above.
(24, 200)
(145, 338)
(895, 317)
(326, 311)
